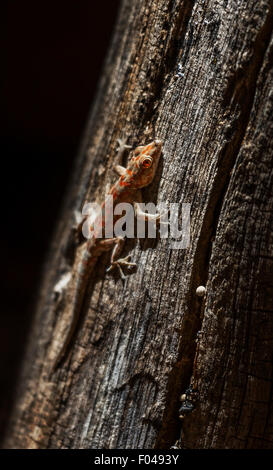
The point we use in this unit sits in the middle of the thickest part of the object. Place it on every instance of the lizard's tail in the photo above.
(82, 277)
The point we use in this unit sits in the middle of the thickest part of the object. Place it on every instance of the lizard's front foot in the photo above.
(122, 146)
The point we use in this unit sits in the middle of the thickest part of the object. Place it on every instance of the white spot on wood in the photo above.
(101, 170)
(201, 291)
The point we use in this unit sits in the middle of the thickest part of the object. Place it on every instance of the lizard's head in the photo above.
(144, 162)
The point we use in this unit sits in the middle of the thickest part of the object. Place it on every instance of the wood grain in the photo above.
(196, 74)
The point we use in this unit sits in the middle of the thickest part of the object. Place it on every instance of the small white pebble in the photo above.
(200, 291)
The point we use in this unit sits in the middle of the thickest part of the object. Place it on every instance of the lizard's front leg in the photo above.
(122, 148)
(148, 217)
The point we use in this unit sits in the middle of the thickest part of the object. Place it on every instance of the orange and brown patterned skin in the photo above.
(139, 173)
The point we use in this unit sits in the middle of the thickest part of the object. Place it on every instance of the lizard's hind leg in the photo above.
(119, 262)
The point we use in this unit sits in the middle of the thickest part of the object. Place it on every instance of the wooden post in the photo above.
(197, 75)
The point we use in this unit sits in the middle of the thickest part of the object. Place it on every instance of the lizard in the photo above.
(140, 172)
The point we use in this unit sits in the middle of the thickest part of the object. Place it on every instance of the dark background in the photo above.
(52, 56)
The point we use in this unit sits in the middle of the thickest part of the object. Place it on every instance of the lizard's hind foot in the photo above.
(119, 263)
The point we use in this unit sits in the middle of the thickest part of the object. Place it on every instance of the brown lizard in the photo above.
(139, 173)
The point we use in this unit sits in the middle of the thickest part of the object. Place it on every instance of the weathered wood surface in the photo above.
(196, 74)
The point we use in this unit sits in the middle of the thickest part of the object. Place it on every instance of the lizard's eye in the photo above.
(147, 162)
